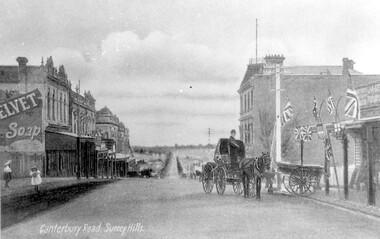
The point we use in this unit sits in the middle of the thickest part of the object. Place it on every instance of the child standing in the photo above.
(36, 177)
(7, 173)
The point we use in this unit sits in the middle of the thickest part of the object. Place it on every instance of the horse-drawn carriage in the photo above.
(300, 179)
(225, 171)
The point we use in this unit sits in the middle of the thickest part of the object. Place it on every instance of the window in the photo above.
(60, 108)
(248, 105)
(245, 102)
(252, 98)
(64, 109)
(53, 107)
(48, 104)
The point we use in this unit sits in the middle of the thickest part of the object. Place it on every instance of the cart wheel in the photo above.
(221, 181)
(238, 188)
(303, 181)
(286, 182)
(208, 178)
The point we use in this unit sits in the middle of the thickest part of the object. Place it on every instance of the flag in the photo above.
(330, 104)
(306, 136)
(315, 109)
(297, 133)
(351, 108)
(287, 113)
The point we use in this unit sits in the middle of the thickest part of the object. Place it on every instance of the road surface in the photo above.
(178, 208)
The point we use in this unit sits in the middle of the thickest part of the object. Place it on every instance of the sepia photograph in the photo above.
(190, 119)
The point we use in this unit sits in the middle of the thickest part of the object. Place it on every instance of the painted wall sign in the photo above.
(21, 122)
(369, 100)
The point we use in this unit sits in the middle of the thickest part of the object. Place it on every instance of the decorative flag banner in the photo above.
(287, 113)
(297, 132)
(328, 150)
(315, 109)
(330, 104)
(307, 133)
(303, 133)
(351, 108)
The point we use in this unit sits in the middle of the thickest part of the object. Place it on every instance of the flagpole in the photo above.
(278, 115)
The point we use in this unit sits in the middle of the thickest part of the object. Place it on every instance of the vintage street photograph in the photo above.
(190, 119)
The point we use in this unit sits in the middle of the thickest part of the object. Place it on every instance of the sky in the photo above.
(170, 70)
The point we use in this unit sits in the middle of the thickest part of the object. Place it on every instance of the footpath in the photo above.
(21, 201)
(23, 187)
(355, 203)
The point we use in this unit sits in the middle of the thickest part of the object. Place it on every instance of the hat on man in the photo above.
(8, 162)
(33, 167)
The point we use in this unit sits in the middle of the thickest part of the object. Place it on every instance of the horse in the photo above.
(254, 168)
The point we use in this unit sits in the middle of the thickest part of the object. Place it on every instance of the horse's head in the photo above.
(265, 161)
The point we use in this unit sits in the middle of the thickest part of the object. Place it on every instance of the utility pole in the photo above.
(209, 132)
(278, 114)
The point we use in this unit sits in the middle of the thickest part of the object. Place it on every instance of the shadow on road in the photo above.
(16, 209)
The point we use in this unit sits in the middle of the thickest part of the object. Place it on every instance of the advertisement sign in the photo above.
(21, 123)
(369, 100)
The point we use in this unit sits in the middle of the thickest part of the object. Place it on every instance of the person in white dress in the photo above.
(7, 173)
(36, 177)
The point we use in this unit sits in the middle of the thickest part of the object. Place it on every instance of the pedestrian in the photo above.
(7, 174)
(234, 146)
(36, 177)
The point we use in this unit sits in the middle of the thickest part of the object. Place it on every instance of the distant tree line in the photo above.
(164, 149)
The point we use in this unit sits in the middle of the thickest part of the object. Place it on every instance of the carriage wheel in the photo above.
(303, 181)
(238, 188)
(286, 182)
(208, 179)
(221, 181)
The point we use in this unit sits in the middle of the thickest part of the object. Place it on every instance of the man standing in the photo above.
(234, 146)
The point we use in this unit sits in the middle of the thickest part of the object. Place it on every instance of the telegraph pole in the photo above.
(209, 133)
(278, 114)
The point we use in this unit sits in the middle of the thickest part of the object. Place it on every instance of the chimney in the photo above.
(347, 65)
(22, 68)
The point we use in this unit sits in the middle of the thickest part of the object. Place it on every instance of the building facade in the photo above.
(56, 149)
(115, 137)
(299, 84)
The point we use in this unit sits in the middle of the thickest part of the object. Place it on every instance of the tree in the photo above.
(266, 129)
(288, 143)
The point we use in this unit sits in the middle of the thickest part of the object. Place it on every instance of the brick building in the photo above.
(299, 84)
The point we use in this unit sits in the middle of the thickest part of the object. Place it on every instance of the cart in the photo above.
(301, 179)
(221, 172)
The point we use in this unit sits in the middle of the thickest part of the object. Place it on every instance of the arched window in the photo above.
(245, 102)
(53, 107)
(48, 104)
(251, 98)
(64, 109)
(60, 107)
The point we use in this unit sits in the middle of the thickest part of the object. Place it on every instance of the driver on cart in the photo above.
(234, 146)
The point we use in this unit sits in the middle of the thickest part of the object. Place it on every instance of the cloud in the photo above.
(166, 57)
